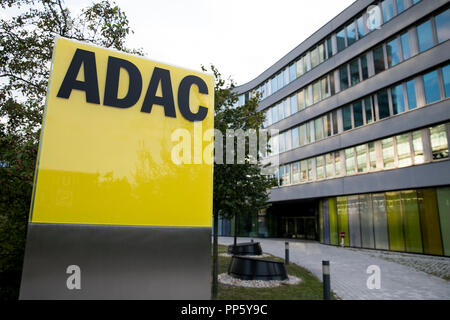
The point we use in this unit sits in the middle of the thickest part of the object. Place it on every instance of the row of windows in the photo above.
(394, 152)
(304, 98)
(385, 103)
(356, 29)
(384, 56)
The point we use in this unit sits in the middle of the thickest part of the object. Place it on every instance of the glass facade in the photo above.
(393, 52)
(399, 151)
(442, 22)
(378, 59)
(425, 36)
(413, 221)
(431, 85)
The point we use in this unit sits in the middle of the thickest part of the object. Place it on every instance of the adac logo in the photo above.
(110, 97)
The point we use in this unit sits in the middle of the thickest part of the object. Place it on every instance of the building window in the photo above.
(347, 117)
(365, 70)
(274, 114)
(318, 128)
(360, 26)
(288, 140)
(387, 146)
(398, 104)
(431, 85)
(321, 49)
(285, 175)
(327, 124)
(293, 103)
(306, 63)
(303, 171)
(446, 80)
(329, 165)
(361, 158)
(418, 147)
(300, 100)
(299, 70)
(368, 109)
(439, 144)
(425, 36)
(308, 132)
(372, 156)
(354, 72)
(310, 172)
(337, 163)
(343, 77)
(340, 40)
(329, 48)
(325, 90)
(292, 72)
(393, 53)
(411, 92)
(358, 114)
(282, 145)
(378, 59)
(406, 50)
(314, 58)
(383, 104)
(316, 92)
(403, 150)
(307, 97)
(280, 111)
(351, 34)
(295, 138)
(400, 6)
(349, 160)
(302, 135)
(335, 122)
(331, 76)
(296, 172)
(319, 168)
(387, 7)
(442, 22)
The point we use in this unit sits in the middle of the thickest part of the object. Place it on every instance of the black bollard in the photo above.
(286, 253)
(326, 280)
(251, 241)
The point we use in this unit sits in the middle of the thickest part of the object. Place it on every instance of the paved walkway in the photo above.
(348, 271)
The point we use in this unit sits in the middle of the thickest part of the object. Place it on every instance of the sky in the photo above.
(242, 38)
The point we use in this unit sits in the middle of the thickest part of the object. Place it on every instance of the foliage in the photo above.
(238, 188)
(26, 44)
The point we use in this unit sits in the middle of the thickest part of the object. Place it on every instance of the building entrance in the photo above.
(299, 227)
(296, 219)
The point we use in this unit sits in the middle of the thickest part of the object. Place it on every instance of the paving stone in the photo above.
(402, 275)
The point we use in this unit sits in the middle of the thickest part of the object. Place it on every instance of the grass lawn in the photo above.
(310, 288)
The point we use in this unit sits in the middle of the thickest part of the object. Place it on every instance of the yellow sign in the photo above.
(105, 154)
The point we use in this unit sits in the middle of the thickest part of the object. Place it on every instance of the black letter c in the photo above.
(183, 98)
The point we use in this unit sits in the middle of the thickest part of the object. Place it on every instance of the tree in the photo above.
(239, 189)
(26, 44)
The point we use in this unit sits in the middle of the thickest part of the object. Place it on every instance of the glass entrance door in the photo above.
(299, 227)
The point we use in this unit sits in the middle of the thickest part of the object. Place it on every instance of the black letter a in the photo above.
(90, 83)
(163, 76)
